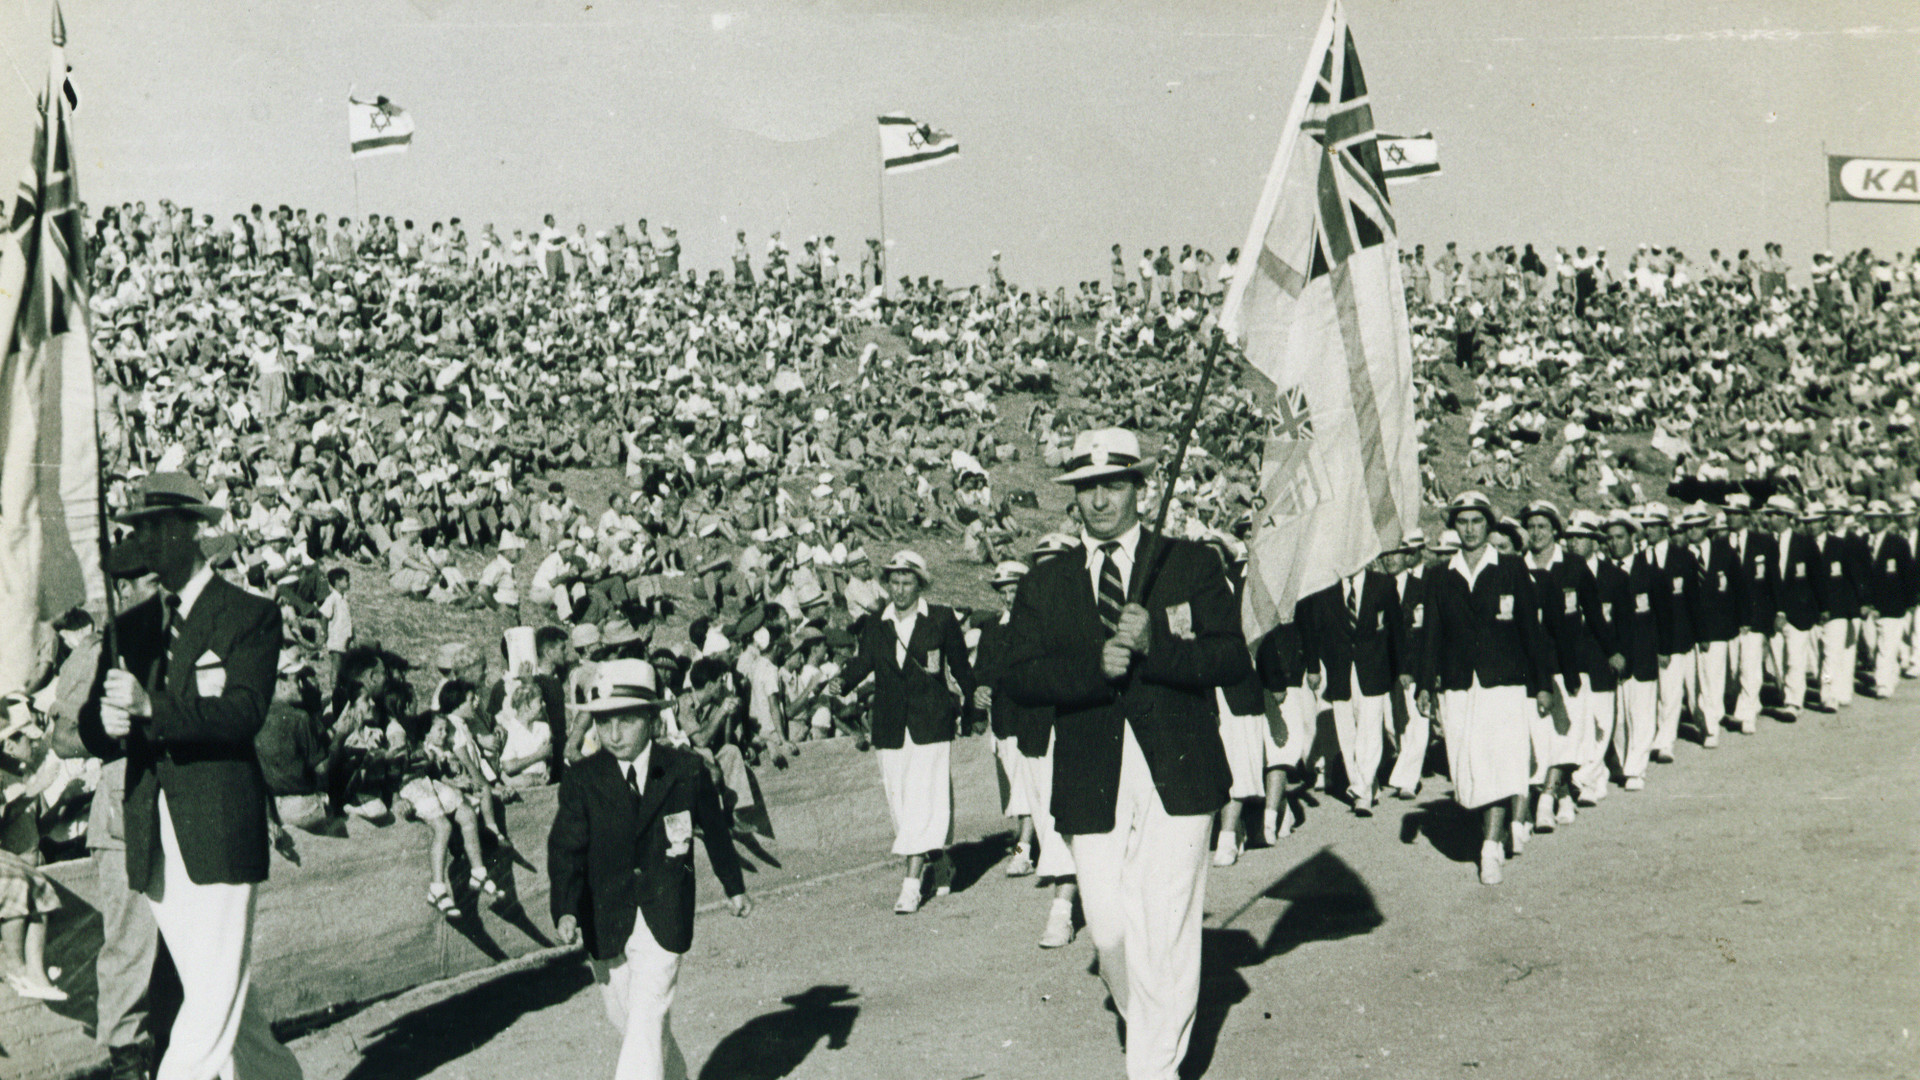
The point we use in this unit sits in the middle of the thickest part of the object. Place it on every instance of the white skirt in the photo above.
(1246, 739)
(1550, 748)
(1010, 766)
(1301, 714)
(1489, 742)
(919, 785)
(1056, 858)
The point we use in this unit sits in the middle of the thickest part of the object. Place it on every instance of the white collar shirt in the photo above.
(1129, 542)
(903, 626)
(1471, 572)
(635, 771)
(191, 591)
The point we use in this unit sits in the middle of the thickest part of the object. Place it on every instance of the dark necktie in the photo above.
(1113, 591)
(1353, 604)
(170, 634)
(633, 777)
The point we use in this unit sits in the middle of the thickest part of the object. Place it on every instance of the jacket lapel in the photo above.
(655, 793)
(193, 636)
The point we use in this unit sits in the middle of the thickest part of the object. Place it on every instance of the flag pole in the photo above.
(1826, 204)
(880, 184)
(1157, 540)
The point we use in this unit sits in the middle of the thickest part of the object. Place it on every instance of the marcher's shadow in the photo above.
(752, 845)
(1454, 833)
(1222, 954)
(774, 1044)
(427, 1038)
(74, 937)
(973, 858)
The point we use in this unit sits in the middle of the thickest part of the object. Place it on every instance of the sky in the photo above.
(1694, 123)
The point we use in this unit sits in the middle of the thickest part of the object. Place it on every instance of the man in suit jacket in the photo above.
(1796, 605)
(1356, 643)
(1888, 571)
(1836, 586)
(909, 650)
(197, 663)
(1676, 611)
(620, 855)
(1721, 602)
(1755, 554)
(1596, 656)
(1127, 643)
(1627, 585)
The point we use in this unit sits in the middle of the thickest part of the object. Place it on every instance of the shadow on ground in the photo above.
(1326, 901)
(425, 1039)
(774, 1044)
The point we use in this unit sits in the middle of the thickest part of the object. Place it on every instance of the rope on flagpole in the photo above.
(1157, 539)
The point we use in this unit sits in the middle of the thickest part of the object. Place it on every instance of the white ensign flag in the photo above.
(378, 127)
(1320, 312)
(906, 145)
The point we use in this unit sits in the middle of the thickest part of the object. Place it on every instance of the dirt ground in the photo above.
(1753, 913)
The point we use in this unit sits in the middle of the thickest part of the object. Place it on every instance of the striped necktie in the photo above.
(1113, 591)
(170, 627)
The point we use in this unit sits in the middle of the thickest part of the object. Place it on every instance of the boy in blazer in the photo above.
(1356, 655)
(1755, 553)
(196, 667)
(1130, 668)
(1796, 605)
(909, 649)
(620, 863)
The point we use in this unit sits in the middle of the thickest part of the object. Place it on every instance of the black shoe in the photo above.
(130, 1062)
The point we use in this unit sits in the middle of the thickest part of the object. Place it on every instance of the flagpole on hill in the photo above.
(880, 156)
(354, 159)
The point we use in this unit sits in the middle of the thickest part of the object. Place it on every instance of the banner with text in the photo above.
(1859, 179)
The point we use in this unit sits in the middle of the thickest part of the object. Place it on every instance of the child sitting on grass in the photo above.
(447, 785)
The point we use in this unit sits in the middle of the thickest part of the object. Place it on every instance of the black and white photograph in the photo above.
(959, 539)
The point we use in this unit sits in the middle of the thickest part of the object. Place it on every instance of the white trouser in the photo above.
(1791, 649)
(1412, 758)
(1143, 887)
(220, 1030)
(1056, 859)
(1886, 652)
(1595, 722)
(637, 990)
(1009, 763)
(1675, 687)
(1636, 708)
(1836, 663)
(1710, 683)
(1744, 662)
(1910, 644)
(1360, 724)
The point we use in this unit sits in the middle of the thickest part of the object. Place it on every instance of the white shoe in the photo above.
(909, 901)
(1635, 783)
(1226, 853)
(1517, 838)
(1543, 814)
(1567, 812)
(1059, 933)
(1022, 862)
(1711, 741)
(1490, 861)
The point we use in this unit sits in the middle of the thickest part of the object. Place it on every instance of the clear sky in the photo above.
(1082, 124)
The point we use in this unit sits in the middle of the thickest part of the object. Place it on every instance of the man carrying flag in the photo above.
(1323, 320)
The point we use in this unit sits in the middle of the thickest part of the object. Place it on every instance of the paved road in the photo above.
(1753, 913)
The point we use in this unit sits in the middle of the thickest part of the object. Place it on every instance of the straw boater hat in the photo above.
(1586, 523)
(1102, 453)
(619, 685)
(1696, 514)
(1008, 572)
(1782, 504)
(1053, 543)
(1878, 508)
(1622, 517)
(1814, 511)
(1448, 543)
(1656, 513)
(1545, 509)
(1469, 500)
(171, 493)
(911, 562)
(1739, 502)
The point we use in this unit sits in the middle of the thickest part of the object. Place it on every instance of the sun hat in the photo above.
(622, 684)
(1008, 572)
(1469, 500)
(1543, 508)
(1104, 452)
(171, 493)
(911, 562)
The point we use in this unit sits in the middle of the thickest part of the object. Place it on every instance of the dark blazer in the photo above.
(1370, 644)
(1570, 614)
(1280, 660)
(1793, 581)
(1722, 592)
(1413, 617)
(1837, 576)
(1626, 602)
(1675, 597)
(1757, 561)
(609, 854)
(913, 698)
(1030, 726)
(1167, 697)
(199, 750)
(1598, 641)
(1889, 570)
(1246, 697)
(1489, 630)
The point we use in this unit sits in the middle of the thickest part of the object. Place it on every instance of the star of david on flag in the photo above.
(378, 127)
(906, 144)
(1406, 158)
